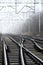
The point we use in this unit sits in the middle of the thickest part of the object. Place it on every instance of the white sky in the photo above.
(9, 20)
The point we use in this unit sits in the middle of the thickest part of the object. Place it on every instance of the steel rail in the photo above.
(35, 58)
(4, 52)
(21, 50)
(38, 38)
(21, 54)
(36, 44)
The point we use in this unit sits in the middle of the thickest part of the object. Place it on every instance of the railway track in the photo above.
(0, 51)
(21, 52)
(26, 44)
(37, 43)
(13, 54)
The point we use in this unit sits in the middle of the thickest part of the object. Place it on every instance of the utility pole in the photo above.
(39, 22)
(16, 6)
(39, 16)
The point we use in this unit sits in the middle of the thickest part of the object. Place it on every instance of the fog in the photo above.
(33, 23)
(11, 22)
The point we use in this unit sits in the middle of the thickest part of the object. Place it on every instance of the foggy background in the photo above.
(21, 16)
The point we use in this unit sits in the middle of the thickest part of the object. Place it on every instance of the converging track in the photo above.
(20, 51)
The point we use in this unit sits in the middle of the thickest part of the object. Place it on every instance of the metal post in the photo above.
(16, 6)
(39, 22)
(39, 15)
(29, 26)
